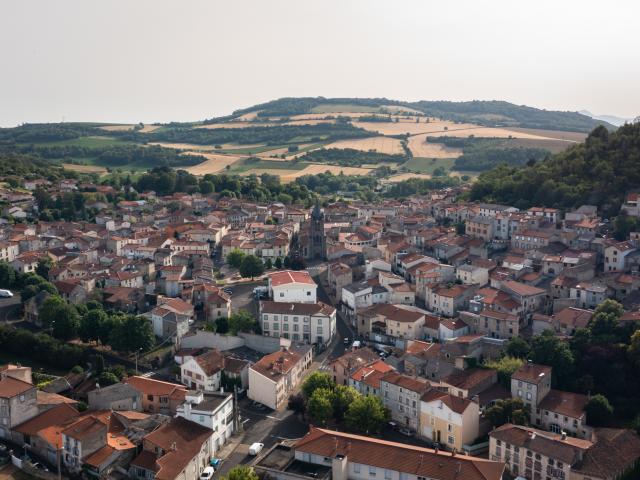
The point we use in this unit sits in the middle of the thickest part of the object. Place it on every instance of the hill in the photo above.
(491, 113)
(598, 171)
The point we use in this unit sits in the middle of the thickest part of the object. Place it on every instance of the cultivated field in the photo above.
(420, 148)
(85, 168)
(116, 128)
(379, 144)
(411, 127)
(316, 169)
(184, 146)
(406, 176)
(215, 163)
(555, 134)
(235, 125)
(149, 128)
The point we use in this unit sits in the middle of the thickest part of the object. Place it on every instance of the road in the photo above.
(263, 426)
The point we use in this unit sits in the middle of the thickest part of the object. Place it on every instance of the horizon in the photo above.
(129, 63)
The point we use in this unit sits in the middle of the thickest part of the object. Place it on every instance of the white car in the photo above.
(207, 473)
(256, 448)
(6, 293)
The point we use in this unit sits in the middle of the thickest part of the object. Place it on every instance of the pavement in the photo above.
(261, 425)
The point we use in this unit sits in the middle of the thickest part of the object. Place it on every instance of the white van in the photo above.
(6, 293)
(256, 448)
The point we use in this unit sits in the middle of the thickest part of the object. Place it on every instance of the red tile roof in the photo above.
(418, 461)
(290, 276)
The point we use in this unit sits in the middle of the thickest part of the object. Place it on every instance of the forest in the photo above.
(599, 171)
(350, 157)
(273, 135)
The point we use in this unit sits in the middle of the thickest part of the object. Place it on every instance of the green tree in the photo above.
(235, 257)
(316, 380)
(599, 411)
(343, 396)
(43, 267)
(107, 378)
(510, 410)
(7, 275)
(633, 350)
(603, 326)
(518, 347)
(241, 472)
(268, 264)
(461, 228)
(60, 317)
(92, 324)
(242, 321)
(278, 263)
(251, 266)
(207, 187)
(222, 325)
(320, 405)
(547, 349)
(130, 333)
(505, 368)
(366, 414)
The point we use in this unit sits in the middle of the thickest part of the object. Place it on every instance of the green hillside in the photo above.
(599, 171)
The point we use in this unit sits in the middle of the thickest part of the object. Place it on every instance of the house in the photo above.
(292, 286)
(158, 396)
(447, 300)
(531, 298)
(588, 294)
(554, 410)
(119, 396)
(178, 450)
(342, 367)
(203, 372)
(306, 322)
(395, 321)
(480, 227)
(401, 395)
(616, 256)
(213, 410)
(355, 457)
(18, 403)
(171, 317)
(564, 323)
(355, 297)
(366, 379)
(81, 439)
(469, 383)
(339, 275)
(274, 376)
(472, 275)
(448, 419)
(451, 328)
(532, 453)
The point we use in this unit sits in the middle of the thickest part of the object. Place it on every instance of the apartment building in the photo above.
(401, 395)
(274, 376)
(299, 322)
(449, 420)
(292, 286)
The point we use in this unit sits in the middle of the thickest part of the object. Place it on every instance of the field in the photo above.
(554, 134)
(235, 125)
(116, 128)
(406, 176)
(215, 163)
(85, 168)
(337, 108)
(420, 148)
(379, 144)
(315, 169)
(428, 165)
(184, 146)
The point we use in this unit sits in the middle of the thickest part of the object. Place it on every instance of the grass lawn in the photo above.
(428, 165)
(6, 357)
(244, 165)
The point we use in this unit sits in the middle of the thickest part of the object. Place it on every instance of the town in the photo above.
(186, 336)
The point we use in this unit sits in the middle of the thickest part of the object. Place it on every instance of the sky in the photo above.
(185, 60)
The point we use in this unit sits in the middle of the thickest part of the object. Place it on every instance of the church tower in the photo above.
(316, 234)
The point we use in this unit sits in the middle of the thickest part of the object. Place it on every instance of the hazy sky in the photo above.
(161, 60)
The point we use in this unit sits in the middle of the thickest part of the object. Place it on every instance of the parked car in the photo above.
(256, 448)
(393, 425)
(346, 340)
(6, 293)
(207, 473)
(39, 466)
(406, 431)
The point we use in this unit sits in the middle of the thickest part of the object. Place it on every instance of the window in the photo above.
(528, 395)
(308, 293)
(387, 475)
(451, 440)
(449, 429)
(296, 327)
(265, 317)
(265, 325)
(281, 294)
(285, 327)
(372, 471)
(356, 467)
(276, 326)
(320, 329)
(295, 319)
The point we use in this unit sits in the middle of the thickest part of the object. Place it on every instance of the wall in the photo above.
(263, 344)
(203, 339)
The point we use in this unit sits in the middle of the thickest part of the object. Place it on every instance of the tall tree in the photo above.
(251, 266)
(366, 414)
(235, 257)
(547, 349)
(320, 405)
(315, 381)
